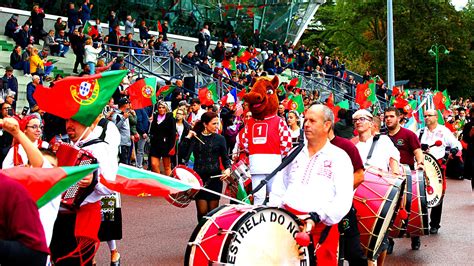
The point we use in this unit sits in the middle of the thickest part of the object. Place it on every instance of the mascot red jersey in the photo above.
(266, 135)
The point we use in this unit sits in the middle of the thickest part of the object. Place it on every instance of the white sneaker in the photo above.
(28, 75)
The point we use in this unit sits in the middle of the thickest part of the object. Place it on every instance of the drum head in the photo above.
(434, 184)
(186, 174)
(256, 236)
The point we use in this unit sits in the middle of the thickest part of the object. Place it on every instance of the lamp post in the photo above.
(434, 51)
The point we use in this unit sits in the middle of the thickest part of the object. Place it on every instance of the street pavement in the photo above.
(156, 233)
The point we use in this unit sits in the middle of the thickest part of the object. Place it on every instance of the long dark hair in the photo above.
(205, 119)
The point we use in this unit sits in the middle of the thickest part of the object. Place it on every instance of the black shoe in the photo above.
(391, 243)
(415, 243)
(434, 230)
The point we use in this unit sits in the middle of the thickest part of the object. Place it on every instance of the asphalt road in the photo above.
(156, 233)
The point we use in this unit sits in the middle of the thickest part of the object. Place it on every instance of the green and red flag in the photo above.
(208, 95)
(230, 64)
(295, 102)
(296, 82)
(136, 182)
(241, 52)
(79, 98)
(441, 100)
(45, 184)
(281, 91)
(365, 94)
(440, 117)
(290, 60)
(90, 29)
(165, 90)
(142, 93)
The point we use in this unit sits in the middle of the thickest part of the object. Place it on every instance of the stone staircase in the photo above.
(63, 66)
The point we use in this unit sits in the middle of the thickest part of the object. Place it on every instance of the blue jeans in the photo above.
(140, 152)
(63, 49)
(48, 70)
(26, 67)
(91, 67)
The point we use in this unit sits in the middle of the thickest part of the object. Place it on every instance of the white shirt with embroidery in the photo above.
(443, 134)
(321, 183)
(383, 151)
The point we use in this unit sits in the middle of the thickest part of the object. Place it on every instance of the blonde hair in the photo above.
(88, 41)
(100, 63)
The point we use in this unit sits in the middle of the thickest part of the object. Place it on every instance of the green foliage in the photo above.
(356, 30)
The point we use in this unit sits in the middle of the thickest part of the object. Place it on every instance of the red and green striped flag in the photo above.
(241, 52)
(90, 29)
(365, 94)
(441, 100)
(230, 64)
(290, 60)
(135, 182)
(142, 93)
(79, 98)
(281, 91)
(45, 184)
(165, 90)
(295, 102)
(296, 82)
(208, 95)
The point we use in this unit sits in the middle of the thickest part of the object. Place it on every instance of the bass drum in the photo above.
(435, 182)
(402, 214)
(247, 235)
(418, 219)
(376, 200)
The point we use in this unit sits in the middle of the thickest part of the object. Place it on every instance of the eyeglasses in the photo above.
(35, 127)
(179, 114)
(6, 108)
(360, 119)
(429, 115)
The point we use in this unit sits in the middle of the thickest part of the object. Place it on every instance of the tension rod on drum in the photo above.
(222, 195)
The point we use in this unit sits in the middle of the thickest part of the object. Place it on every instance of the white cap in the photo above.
(362, 112)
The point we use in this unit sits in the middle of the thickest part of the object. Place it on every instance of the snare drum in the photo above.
(435, 187)
(247, 235)
(375, 201)
(418, 220)
(183, 198)
(240, 174)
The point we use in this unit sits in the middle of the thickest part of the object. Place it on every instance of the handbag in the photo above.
(40, 70)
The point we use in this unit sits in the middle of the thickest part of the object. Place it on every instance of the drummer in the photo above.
(428, 136)
(319, 181)
(376, 150)
(409, 146)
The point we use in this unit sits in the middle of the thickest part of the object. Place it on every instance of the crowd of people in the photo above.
(160, 137)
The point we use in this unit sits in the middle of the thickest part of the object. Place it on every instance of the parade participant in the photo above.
(353, 252)
(76, 232)
(266, 135)
(196, 111)
(293, 121)
(209, 149)
(318, 181)
(409, 147)
(182, 129)
(32, 128)
(162, 138)
(428, 136)
(378, 151)
(468, 150)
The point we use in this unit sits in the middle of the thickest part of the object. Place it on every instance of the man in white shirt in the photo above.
(196, 111)
(318, 181)
(428, 136)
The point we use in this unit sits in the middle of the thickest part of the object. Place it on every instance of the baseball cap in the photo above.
(362, 112)
(8, 68)
(15, 17)
(123, 101)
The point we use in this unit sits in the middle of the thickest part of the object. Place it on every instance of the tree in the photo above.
(357, 30)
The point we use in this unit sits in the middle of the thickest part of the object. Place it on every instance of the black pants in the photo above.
(79, 60)
(435, 216)
(124, 154)
(350, 239)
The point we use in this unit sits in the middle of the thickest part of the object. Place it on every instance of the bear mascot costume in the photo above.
(266, 136)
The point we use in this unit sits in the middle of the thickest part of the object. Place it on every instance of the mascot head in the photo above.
(263, 98)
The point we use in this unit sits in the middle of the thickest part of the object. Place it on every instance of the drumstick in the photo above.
(199, 140)
(215, 176)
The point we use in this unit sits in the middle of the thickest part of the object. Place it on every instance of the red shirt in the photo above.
(19, 217)
(406, 142)
(351, 150)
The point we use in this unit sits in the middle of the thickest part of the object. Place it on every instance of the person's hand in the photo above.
(86, 181)
(132, 112)
(145, 136)
(225, 174)
(11, 126)
(420, 167)
(114, 59)
(191, 134)
(126, 114)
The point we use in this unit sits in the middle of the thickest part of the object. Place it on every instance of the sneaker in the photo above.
(28, 75)
(434, 230)
(415, 243)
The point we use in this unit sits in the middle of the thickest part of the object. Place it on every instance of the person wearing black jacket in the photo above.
(162, 139)
(11, 26)
(37, 16)
(23, 36)
(209, 149)
(77, 44)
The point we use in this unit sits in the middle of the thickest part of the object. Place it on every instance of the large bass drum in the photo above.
(435, 182)
(376, 200)
(247, 235)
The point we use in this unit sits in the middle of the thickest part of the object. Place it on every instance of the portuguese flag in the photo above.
(142, 93)
(441, 100)
(165, 90)
(295, 102)
(290, 60)
(45, 184)
(135, 182)
(281, 91)
(90, 29)
(208, 94)
(296, 82)
(365, 94)
(79, 98)
(230, 64)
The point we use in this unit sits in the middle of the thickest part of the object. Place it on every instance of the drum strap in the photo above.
(376, 138)
(421, 134)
